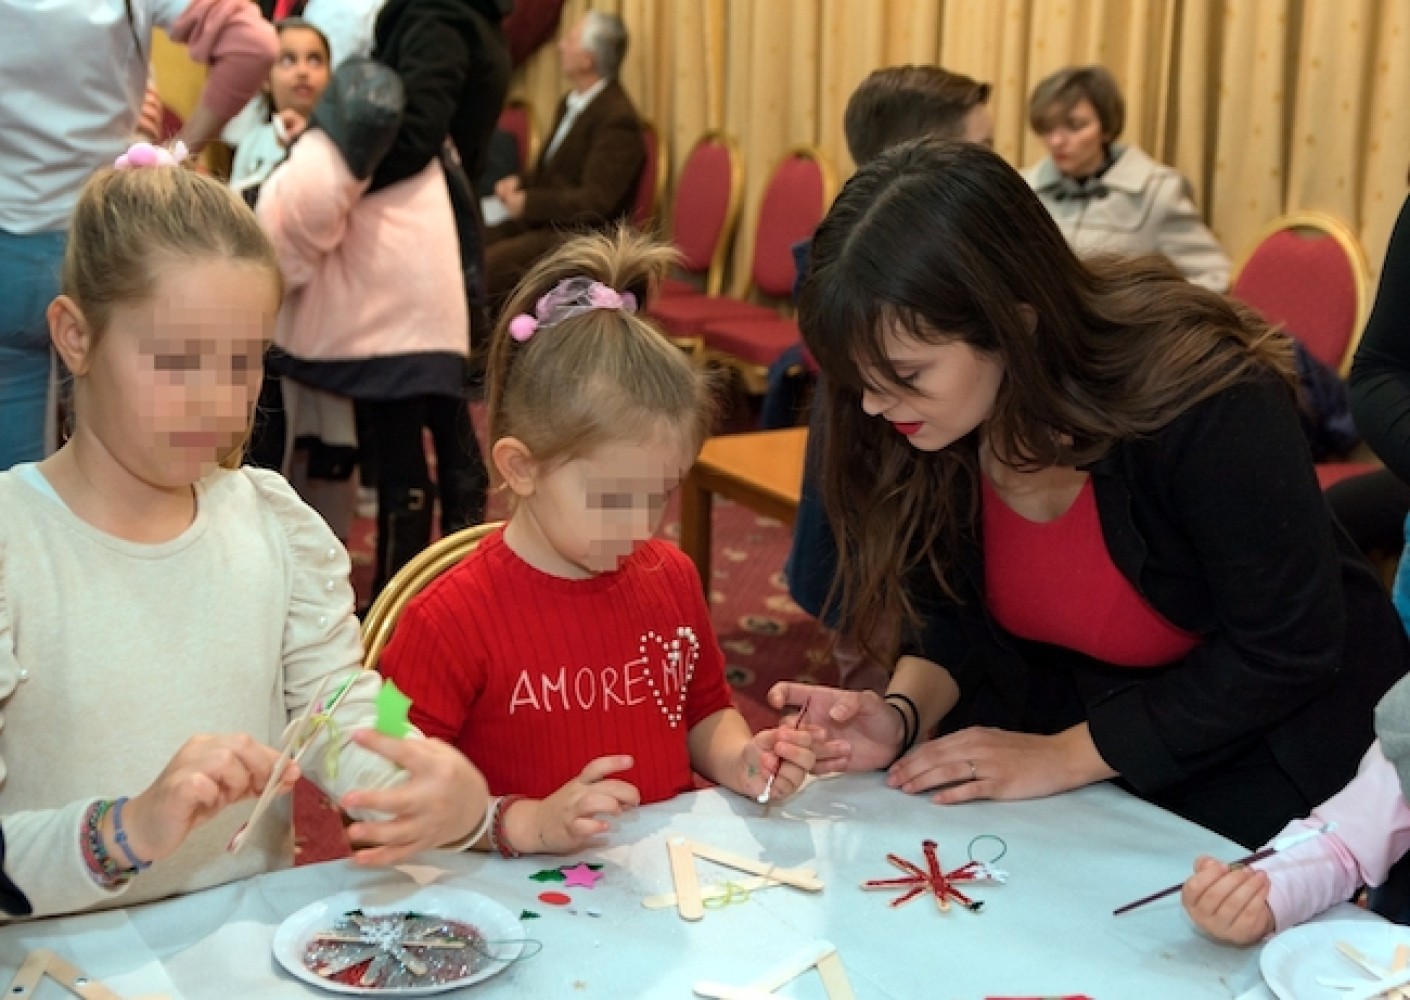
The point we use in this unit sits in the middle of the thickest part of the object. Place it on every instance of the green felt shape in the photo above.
(392, 708)
(549, 875)
(528, 915)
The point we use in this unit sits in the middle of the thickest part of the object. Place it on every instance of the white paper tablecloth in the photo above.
(1049, 931)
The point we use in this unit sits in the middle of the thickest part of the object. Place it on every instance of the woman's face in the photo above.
(300, 74)
(949, 389)
(1075, 140)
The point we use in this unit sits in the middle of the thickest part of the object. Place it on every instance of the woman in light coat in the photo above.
(1113, 198)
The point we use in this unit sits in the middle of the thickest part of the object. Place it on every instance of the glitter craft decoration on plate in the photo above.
(398, 941)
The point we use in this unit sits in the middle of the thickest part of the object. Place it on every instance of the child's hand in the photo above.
(442, 801)
(570, 817)
(1230, 904)
(289, 126)
(207, 774)
(787, 748)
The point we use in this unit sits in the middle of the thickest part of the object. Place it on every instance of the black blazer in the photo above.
(1218, 521)
(592, 176)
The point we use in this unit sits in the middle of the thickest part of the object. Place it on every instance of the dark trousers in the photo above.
(405, 493)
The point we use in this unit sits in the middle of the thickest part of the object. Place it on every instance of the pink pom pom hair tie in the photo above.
(144, 154)
(570, 297)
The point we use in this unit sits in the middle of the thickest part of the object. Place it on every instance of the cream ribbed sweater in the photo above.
(112, 654)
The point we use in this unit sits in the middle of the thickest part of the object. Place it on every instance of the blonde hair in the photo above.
(601, 376)
(128, 223)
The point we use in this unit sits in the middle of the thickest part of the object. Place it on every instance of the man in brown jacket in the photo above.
(587, 174)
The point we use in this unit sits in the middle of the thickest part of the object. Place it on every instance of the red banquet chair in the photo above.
(1307, 273)
(705, 214)
(517, 118)
(652, 184)
(793, 204)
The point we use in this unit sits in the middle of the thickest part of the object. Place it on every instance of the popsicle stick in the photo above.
(71, 977)
(781, 975)
(723, 991)
(287, 755)
(788, 876)
(31, 971)
(1401, 958)
(710, 892)
(834, 978)
(1381, 989)
(1354, 953)
(688, 900)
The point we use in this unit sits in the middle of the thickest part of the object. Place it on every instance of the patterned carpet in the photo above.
(764, 635)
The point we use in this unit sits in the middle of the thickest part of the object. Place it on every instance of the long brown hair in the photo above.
(946, 242)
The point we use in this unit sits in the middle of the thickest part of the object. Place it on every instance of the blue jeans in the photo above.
(29, 280)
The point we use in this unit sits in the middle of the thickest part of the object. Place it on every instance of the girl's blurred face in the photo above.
(589, 514)
(172, 382)
(300, 74)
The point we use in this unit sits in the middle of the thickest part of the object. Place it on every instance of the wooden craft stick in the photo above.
(723, 991)
(1382, 989)
(290, 753)
(30, 973)
(834, 978)
(710, 892)
(688, 900)
(354, 939)
(41, 963)
(781, 975)
(1401, 958)
(1354, 953)
(788, 876)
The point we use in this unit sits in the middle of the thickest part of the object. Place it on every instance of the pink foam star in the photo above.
(582, 875)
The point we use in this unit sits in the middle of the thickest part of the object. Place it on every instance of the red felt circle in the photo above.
(555, 898)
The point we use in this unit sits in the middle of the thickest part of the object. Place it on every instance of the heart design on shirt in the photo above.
(667, 664)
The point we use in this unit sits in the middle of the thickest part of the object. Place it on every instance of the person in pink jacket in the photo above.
(1367, 831)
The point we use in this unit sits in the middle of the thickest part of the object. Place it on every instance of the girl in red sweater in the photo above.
(571, 656)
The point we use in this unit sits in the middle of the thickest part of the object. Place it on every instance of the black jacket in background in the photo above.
(1380, 375)
(454, 63)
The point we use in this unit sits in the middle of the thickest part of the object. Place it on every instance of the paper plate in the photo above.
(1294, 960)
(497, 924)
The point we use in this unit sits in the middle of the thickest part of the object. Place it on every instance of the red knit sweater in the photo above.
(532, 676)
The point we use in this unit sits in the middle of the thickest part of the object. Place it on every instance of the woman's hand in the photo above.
(1230, 904)
(442, 800)
(787, 750)
(981, 763)
(570, 817)
(854, 730)
(208, 773)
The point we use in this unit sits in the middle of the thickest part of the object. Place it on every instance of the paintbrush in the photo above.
(1281, 844)
(769, 785)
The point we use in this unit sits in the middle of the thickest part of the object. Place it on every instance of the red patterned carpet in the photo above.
(764, 635)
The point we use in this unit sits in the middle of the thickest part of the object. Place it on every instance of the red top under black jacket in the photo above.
(532, 676)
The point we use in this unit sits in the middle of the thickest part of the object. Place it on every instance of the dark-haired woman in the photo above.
(1080, 495)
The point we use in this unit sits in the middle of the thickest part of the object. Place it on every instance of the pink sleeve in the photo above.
(304, 205)
(1373, 832)
(239, 45)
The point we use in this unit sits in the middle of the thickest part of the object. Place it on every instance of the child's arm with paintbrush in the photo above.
(723, 749)
(1372, 831)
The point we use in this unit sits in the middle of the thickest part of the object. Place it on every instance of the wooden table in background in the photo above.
(762, 470)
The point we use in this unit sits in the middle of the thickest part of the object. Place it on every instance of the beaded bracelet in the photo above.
(498, 841)
(101, 865)
(910, 723)
(120, 835)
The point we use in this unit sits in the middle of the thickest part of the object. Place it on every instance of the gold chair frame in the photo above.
(754, 376)
(1330, 226)
(409, 581)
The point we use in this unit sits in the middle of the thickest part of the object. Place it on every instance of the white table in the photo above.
(1071, 859)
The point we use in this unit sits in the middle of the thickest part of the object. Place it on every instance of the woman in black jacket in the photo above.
(1079, 495)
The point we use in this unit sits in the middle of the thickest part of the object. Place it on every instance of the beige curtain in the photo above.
(1267, 106)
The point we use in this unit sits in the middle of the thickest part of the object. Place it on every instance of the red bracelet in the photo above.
(498, 841)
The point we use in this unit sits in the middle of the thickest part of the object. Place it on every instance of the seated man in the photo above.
(587, 175)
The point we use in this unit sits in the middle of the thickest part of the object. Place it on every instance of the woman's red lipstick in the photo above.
(907, 429)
